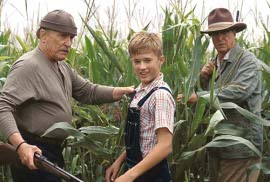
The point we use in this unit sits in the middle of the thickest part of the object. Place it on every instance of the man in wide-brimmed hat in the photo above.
(38, 93)
(237, 80)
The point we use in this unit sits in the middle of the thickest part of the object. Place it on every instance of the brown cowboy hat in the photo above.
(221, 19)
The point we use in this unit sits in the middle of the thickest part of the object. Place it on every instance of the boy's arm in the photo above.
(112, 171)
(157, 154)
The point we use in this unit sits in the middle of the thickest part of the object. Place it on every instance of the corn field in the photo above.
(96, 134)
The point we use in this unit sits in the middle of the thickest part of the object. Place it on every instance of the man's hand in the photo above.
(192, 99)
(25, 151)
(119, 92)
(207, 70)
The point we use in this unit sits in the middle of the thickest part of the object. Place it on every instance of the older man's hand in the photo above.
(25, 151)
(119, 92)
(207, 70)
(192, 99)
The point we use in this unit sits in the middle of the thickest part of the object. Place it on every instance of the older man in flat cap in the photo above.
(237, 80)
(38, 93)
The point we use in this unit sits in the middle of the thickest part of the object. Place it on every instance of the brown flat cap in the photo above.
(221, 19)
(60, 21)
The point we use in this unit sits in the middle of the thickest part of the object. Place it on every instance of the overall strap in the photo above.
(141, 102)
(132, 96)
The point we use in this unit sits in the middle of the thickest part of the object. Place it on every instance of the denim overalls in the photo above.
(160, 172)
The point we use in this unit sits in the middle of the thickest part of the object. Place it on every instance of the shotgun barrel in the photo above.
(8, 155)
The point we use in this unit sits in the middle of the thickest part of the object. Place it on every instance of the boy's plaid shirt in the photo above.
(157, 112)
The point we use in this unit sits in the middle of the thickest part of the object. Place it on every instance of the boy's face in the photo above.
(147, 66)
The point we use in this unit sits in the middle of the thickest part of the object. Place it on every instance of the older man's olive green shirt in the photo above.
(38, 93)
(239, 81)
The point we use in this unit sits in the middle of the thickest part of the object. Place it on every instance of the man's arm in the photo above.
(243, 84)
(17, 89)
(89, 93)
(240, 88)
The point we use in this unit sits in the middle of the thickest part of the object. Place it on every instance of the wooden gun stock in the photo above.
(8, 155)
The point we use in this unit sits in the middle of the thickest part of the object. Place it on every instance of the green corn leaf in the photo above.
(104, 47)
(264, 167)
(215, 119)
(230, 129)
(222, 141)
(4, 58)
(194, 69)
(22, 44)
(198, 115)
(83, 140)
(2, 47)
(250, 116)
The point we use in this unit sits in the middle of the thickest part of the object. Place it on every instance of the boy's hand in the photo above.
(112, 171)
(124, 178)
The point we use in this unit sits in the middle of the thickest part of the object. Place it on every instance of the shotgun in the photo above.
(8, 155)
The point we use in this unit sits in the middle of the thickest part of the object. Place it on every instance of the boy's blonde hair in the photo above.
(143, 42)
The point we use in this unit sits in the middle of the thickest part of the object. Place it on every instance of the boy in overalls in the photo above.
(149, 126)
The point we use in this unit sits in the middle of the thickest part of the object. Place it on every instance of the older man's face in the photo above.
(223, 41)
(57, 45)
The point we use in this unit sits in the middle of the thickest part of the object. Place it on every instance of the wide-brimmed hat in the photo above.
(60, 21)
(221, 19)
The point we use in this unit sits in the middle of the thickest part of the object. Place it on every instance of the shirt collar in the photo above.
(226, 57)
(151, 85)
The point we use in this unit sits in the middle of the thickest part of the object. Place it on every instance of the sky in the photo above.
(14, 14)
